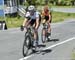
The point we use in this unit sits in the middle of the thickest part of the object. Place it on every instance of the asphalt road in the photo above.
(11, 42)
(66, 10)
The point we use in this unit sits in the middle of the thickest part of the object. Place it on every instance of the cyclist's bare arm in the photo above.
(37, 23)
(49, 19)
(24, 22)
(43, 20)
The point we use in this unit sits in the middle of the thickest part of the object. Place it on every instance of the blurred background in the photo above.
(14, 10)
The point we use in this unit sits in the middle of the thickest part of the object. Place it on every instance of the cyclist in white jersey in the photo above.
(32, 18)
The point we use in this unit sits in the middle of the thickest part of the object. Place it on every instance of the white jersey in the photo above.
(36, 15)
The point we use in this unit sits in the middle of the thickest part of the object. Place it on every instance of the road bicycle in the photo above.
(28, 41)
(44, 34)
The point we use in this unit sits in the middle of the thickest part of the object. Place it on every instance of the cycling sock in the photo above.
(49, 35)
(34, 43)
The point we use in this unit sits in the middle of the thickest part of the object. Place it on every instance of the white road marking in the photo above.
(70, 39)
(26, 57)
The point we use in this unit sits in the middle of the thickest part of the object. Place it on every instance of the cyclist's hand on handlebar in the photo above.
(21, 28)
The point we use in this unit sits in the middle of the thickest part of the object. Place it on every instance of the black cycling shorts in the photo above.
(32, 22)
(46, 18)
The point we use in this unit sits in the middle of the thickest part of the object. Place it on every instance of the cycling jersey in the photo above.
(46, 18)
(45, 15)
(32, 17)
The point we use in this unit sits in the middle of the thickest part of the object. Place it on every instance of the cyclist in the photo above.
(32, 18)
(47, 17)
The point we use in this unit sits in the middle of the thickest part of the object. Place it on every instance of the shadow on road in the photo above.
(42, 52)
(45, 51)
(53, 40)
(41, 45)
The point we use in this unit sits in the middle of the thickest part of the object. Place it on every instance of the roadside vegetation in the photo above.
(50, 2)
(60, 16)
(56, 17)
(1, 18)
(14, 21)
(62, 6)
(73, 54)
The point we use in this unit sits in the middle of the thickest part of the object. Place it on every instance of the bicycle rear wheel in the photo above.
(37, 38)
(43, 37)
(26, 46)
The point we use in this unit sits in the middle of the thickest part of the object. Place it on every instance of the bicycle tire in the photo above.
(43, 38)
(37, 36)
(26, 44)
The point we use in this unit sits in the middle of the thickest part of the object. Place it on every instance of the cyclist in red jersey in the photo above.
(47, 17)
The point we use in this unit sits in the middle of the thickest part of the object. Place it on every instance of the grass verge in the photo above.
(60, 16)
(14, 21)
(56, 17)
(63, 6)
(73, 54)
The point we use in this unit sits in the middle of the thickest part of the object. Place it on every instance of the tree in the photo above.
(31, 2)
(46, 2)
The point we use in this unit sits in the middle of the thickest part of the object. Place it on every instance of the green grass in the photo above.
(63, 6)
(14, 21)
(52, 6)
(56, 17)
(1, 18)
(73, 54)
(60, 16)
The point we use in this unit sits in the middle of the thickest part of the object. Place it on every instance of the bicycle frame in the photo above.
(27, 41)
(45, 27)
(30, 31)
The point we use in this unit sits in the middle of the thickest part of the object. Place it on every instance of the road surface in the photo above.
(66, 10)
(59, 48)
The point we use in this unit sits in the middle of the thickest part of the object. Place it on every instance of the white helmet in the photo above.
(31, 8)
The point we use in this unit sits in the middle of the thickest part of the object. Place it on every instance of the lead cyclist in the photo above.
(32, 18)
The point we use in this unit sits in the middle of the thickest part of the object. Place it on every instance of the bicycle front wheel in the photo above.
(26, 46)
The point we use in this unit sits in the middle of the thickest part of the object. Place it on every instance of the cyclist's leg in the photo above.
(36, 34)
(49, 31)
(34, 40)
(49, 27)
(43, 31)
(43, 35)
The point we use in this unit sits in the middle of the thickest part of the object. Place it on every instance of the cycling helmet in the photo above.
(31, 8)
